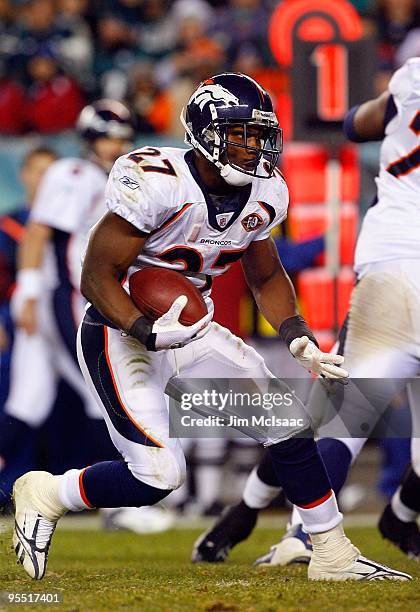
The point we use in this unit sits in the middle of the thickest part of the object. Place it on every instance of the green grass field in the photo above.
(118, 570)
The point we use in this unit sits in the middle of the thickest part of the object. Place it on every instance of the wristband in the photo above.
(295, 327)
(29, 283)
(142, 330)
(348, 126)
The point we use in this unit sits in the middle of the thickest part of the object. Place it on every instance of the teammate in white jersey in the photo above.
(381, 338)
(196, 211)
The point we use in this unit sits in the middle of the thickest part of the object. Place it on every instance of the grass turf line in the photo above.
(119, 570)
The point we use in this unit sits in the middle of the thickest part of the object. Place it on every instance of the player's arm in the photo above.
(29, 276)
(272, 288)
(113, 246)
(367, 121)
(276, 299)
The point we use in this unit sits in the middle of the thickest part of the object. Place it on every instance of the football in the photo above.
(154, 289)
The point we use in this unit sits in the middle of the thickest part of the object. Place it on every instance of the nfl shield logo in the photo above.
(223, 219)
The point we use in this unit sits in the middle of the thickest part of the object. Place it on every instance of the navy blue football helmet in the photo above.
(105, 118)
(232, 100)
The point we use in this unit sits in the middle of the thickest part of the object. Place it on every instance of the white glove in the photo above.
(167, 332)
(323, 364)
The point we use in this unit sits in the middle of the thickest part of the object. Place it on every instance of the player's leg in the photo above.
(398, 522)
(128, 383)
(378, 344)
(69, 310)
(298, 467)
(209, 457)
(238, 521)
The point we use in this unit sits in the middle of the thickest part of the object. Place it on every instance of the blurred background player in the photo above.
(381, 336)
(47, 304)
(12, 229)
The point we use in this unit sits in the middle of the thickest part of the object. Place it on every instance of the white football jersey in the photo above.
(391, 227)
(70, 200)
(160, 192)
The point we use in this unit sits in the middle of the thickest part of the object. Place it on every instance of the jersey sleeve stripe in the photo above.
(269, 210)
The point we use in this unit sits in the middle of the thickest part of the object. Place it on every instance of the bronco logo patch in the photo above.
(252, 222)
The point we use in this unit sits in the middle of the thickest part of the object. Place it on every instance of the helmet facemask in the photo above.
(266, 150)
(214, 143)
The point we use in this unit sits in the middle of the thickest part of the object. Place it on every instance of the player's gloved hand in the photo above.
(323, 364)
(167, 332)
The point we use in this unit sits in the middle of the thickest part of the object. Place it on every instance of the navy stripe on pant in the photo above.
(94, 353)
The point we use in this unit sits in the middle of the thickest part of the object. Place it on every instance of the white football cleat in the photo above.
(147, 519)
(37, 510)
(335, 558)
(360, 569)
(294, 547)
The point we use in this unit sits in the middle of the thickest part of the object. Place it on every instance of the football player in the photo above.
(12, 230)
(381, 335)
(176, 208)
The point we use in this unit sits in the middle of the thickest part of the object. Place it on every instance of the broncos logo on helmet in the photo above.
(213, 93)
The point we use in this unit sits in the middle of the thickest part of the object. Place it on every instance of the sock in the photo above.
(208, 484)
(300, 470)
(305, 481)
(12, 431)
(335, 454)
(266, 472)
(109, 484)
(257, 494)
(401, 510)
(410, 491)
(295, 518)
(320, 516)
(337, 460)
(69, 491)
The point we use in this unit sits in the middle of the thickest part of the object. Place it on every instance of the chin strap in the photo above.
(234, 177)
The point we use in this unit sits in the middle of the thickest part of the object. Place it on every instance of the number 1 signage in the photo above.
(330, 62)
